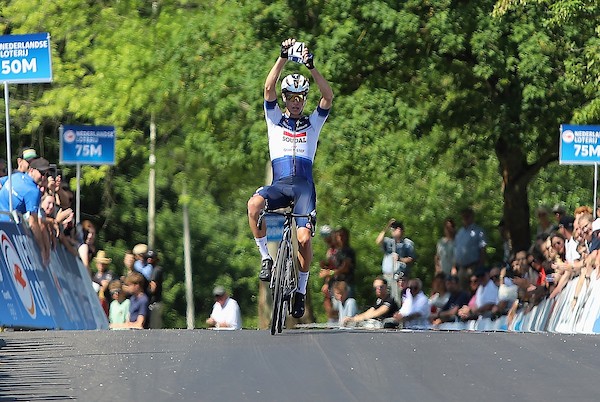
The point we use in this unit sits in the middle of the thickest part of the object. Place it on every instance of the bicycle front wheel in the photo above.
(278, 284)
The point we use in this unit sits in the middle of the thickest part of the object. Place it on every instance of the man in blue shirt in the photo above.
(469, 248)
(25, 156)
(26, 196)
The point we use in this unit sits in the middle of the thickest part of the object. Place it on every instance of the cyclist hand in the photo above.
(309, 61)
(285, 46)
(308, 58)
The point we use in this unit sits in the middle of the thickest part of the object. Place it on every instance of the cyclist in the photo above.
(292, 145)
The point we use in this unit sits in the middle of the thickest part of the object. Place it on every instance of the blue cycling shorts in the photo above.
(282, 192)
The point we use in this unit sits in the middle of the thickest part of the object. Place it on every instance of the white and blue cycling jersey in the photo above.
(293, 142)
(292, 145)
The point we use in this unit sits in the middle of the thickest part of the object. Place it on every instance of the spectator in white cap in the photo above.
(140, 265)
(226, 311)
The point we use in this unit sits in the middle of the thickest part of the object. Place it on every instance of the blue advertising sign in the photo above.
(90, 145)
(53, 295)
(25, 58)
(24, 301)
(579, 145)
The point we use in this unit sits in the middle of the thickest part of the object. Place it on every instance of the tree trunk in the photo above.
(516, 174)
(516, 214)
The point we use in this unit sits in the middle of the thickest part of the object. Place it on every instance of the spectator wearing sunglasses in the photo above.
(384, 308)
(486, 297)
(26, 198)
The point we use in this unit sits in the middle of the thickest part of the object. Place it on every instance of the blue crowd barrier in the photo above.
(34, 295)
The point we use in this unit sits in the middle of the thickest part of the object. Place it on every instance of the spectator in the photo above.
(155, 287)
(506, 242)
(439, 294)
(24, 157)
(559, 212)
(415, 311)
(342, 303)
(343, 265)
(582, 210)
(566, 228)
(128, 261)
(3, 168)
(140, 265)
(507, 292)
(384, 308)
(557, 241)
(328, 264)
(226, 311)
(457, 299)
(47, 221)
(590, 230)
(87, 246)
(345, 259)
(64, 196)
(102, 278)
(402, 284)
(545, 226)
(469, 248)
(26, 197)
(485, 298)
(444, 255)
(119, 306)
(138, 308)
(398, 254)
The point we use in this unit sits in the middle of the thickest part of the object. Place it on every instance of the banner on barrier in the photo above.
(57, 296)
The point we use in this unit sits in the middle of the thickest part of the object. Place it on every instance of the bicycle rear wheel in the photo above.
(278, 285)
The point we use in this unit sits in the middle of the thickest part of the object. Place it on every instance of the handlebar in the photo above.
(288, 213)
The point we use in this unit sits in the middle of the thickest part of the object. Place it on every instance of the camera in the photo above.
(53, 171)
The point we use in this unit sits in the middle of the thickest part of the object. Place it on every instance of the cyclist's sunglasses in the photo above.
(293, 97)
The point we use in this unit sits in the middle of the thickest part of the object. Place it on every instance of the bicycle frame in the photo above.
(284, 279)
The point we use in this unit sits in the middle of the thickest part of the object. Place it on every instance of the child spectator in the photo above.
(119, 307)
(138, 307)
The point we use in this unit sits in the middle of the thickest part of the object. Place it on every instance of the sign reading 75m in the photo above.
(579, 145)
(91, 145)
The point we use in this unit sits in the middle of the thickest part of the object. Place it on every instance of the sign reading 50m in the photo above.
(25, 58)
(91, 145)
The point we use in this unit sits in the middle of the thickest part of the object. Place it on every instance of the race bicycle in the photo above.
(284, 277)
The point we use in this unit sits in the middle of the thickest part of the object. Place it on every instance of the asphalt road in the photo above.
(298, 365)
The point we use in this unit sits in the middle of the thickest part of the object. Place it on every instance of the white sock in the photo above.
(262, 247)
(302, 281)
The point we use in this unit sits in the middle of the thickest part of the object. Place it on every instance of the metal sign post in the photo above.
(8, 147)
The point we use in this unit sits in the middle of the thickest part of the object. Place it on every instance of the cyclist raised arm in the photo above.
(293, 139)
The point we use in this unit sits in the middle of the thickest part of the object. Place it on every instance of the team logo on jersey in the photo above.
(17, 273)
(294, 137)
